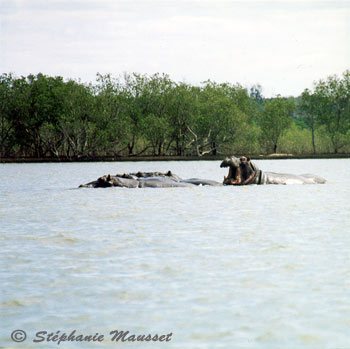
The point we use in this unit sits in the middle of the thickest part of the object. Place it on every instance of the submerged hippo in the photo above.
(243, 171)
(147, 180)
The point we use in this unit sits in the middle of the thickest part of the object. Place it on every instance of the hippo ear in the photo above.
(223, 164)
(235, 162)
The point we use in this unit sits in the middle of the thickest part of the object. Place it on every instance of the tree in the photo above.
(333, 107)
(310, 110)
(77, 124)
(183, 112)
(46, 105)
(255, 94)
(156, 106)
(223, 112)
(6, 106)
(155, 130)
(132, 91)
(112, 117)
(274, 120)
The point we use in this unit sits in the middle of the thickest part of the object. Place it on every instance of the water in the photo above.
(218, 267)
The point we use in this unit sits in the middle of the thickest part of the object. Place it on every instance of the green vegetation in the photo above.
(274, 120)
(48, 117)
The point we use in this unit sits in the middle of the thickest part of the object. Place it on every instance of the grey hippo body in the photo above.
(148, 180)
(243, 172)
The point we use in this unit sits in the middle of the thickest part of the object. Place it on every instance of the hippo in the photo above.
(243, 172)
(147, 180)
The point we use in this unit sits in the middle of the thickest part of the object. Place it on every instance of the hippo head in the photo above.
(234, 173)
(242, 171)
(248, 165)
(231, 162)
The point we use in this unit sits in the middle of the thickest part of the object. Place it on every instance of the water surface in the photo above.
(219, 267)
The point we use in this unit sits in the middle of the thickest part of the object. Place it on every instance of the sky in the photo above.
(285, 46)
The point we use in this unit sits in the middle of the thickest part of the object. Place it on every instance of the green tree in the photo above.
(155, 105)
(183, 113)
(112, 117)
(46, 105)
(77, 124)
(223, 112)
(133, 87)
(274, 120)
(7, 101)
(16, 127)
(333, 107)
(255, 93)
(155, 130)
(310, 110)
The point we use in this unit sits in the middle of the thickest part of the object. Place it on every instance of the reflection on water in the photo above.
(219, 267)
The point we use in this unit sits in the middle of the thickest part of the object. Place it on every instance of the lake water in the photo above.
(218, 267)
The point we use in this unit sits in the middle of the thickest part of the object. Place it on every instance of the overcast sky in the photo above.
(282, 45)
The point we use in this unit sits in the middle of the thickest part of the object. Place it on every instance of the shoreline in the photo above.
(172, 158)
